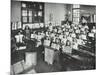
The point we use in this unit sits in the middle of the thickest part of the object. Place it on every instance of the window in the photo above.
(32, 12)
(76, 6)
(30, 16)
(76, 13)
(24, 15)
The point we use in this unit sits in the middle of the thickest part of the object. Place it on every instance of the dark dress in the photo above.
(28, 40)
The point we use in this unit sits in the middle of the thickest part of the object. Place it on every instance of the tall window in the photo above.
(76, 13)
(32, 12)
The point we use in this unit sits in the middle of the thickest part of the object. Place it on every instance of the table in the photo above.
(49, 55)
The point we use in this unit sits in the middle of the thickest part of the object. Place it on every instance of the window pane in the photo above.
(34, 5)
(35, 19)
(40, 6)
(24, 19)
(40, 13)
(74, 15)
(24, 12)
(35, 14)
(30, 19)
(78, 15)
(30, 13)
(23, 5)
(76, 20)
(76, 6)
(76, 11)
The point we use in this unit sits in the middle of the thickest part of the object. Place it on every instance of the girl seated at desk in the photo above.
(42, 34)
(47, 41)
(57, 42)
(67, 48)
(63, 40)
(33, 35)
(19, 39)
(80, 41)
(84, 37)
(75, 44)
(73, 35)
(91, 36)
(93, 30)
(53, 44)
(39, 37)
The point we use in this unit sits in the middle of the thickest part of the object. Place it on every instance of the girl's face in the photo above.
(19, 33)
(26, 27)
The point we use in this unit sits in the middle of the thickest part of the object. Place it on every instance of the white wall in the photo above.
(58, 11)
(15, 11)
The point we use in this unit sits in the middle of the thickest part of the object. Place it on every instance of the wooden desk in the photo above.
(49, 55)
(77, 60)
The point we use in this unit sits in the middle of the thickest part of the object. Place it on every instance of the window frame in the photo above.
(35, 8)
(77, 13)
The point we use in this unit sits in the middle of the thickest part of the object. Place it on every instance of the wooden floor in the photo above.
(71, 63)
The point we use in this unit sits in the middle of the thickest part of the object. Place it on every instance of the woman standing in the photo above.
(27, 33)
